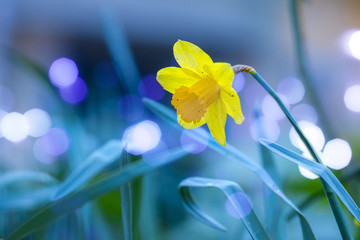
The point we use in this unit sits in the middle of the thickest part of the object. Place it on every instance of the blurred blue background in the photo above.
(72, 75)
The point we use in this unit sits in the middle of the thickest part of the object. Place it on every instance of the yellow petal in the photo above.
(172, 78)
(232, 104)
(216, 119)
(191, 56)
(190, 125)
(222, 73)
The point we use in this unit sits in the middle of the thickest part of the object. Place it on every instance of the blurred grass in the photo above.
(75, 200)
(273, 210)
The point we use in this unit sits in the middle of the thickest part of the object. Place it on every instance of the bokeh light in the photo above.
(239, 82)
(63, 72)
(304, 171)
(292, 89)
(352, 98)
(39, 122)
(142, 137)
(271, 109)
(7, 99)
(150, 156)
(271, 129)
(14, 127)
(41, 154)
(75, 93)
(312, 132)
(150, 88)
(354, 44)
(130, 108)
(305, 112)
(190, 145)
(2, 114)
(55, 142)
(337, 154)
(243, 205)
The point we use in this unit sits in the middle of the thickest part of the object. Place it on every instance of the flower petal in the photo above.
(190, 56)
(222, 73)
(172, 78)
(216, 119)
(190, 125)
(232, 104)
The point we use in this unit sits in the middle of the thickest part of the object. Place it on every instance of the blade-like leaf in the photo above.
(126, 203)
(236, 196)
(29, 196)
(120, 50)
(271, 203)
(320, 170)
(330, 195)
(93, 165)
(77, 199)
(26, 201)
(231, 152)
(15, 177)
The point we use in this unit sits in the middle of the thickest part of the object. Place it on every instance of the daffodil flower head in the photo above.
(202, 90)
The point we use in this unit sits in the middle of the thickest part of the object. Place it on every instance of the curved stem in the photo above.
(304, 71)
(331, 196)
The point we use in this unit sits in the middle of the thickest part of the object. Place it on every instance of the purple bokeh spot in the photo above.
(130, 108)
(190, 144)
(105, 75)
(41, 155)
(74, 93)
(55, 142)
(238, 205)
(239, 82)
(63, 72)
(150, 88)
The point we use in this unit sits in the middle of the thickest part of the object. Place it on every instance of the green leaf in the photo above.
(272, 207)
(333, 200)
(320, 170)
(126, 203)
(231, 152)
(75, 200)
(16, 177)
(89, 168)
(120, 51)
(26, 200)
(29, 194)
(236, 196)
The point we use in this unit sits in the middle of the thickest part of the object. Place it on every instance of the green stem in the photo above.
(126, 203)
(302, 60)
(332, 198)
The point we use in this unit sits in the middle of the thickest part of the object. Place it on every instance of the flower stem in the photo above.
(302, 61)
(126, 204)
(332, 198)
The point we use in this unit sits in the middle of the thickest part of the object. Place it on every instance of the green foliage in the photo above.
(319, 169)
(231, 152)
(72, 202)
(242, 205)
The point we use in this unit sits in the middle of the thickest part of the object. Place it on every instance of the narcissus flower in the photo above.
(202, 90)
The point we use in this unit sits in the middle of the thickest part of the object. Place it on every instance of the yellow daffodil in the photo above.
(202, 90)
